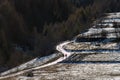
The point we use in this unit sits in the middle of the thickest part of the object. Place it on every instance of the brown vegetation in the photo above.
(30, 28)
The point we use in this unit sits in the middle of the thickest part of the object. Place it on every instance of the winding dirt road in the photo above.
(58, 47)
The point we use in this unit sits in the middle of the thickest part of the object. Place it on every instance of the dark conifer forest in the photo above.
(32, 28)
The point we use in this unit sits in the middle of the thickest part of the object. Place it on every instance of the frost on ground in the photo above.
(76, 72)
(92, 55)
(33, 63)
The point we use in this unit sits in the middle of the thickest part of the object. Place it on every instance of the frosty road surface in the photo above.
(59, 48)
(95, 48)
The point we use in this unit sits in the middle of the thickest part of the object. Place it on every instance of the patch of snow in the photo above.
(111, 20)
(31, 64)
(38, 63)
(35, 64)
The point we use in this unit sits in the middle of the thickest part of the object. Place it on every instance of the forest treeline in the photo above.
(31, 28)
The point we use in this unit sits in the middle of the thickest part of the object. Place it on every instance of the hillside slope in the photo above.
(92, 55)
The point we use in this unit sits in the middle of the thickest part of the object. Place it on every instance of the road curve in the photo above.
(58, 47)
(62, 50)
